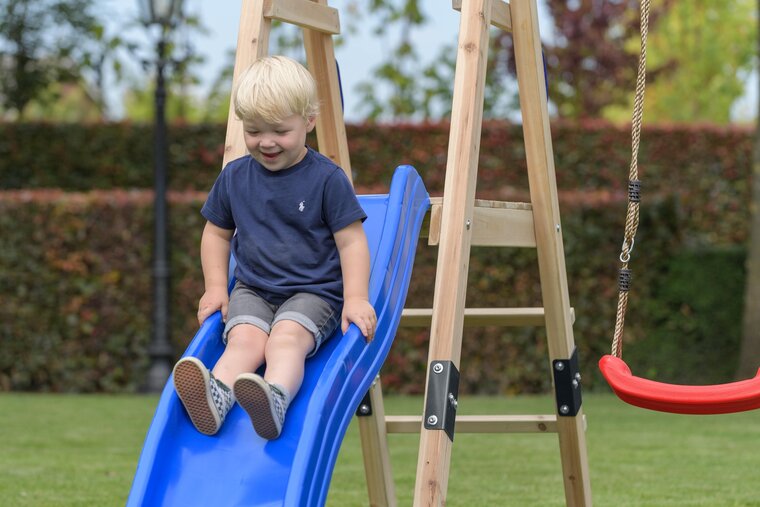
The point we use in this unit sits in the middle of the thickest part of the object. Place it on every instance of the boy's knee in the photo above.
(246, 335)
(288, 335)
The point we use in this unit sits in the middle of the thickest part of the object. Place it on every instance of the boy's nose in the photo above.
(267, 142)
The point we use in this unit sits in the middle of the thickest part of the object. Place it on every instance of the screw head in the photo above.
(364, 409)
(559, 365)
(438, 368)
(432, 420)
(564, 409)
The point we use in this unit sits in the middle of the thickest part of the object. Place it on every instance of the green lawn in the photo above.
(60, 450)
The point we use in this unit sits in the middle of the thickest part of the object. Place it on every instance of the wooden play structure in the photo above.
(457, 222)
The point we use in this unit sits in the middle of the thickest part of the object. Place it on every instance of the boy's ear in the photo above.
(311, 122)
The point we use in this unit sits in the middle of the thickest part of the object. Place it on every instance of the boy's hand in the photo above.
(211, 301)
(361, 313)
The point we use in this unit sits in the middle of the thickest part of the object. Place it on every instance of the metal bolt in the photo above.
(437, 368)
(468, 224)
(559, 366)
(578, 377)
(432, 420)
(364, 409)
(453, 401)
(557, 226)
(564, 409)
(575, 384)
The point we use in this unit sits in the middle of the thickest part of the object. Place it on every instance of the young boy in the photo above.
(292, 220)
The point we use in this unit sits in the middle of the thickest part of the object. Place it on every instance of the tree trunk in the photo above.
(749, 360)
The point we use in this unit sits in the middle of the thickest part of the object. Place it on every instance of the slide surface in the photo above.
(180, 466)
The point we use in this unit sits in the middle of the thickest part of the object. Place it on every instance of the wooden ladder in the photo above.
(459, 221)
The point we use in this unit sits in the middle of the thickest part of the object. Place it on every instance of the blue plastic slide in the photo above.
(181, 467)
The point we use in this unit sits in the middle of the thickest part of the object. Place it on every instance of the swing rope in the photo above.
(681, 399)
(634, 188)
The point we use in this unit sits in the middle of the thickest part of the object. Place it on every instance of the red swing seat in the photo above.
(680, 399)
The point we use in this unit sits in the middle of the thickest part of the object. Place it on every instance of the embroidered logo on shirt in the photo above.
(301, 206)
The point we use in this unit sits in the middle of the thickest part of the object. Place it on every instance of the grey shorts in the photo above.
(312, 312)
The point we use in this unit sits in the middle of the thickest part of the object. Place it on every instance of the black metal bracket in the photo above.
(365, 407)
(567, 385)
(442, 395)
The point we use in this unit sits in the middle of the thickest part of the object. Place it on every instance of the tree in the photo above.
(43, 42)
(749, 356)
(590, 62)
(590, 59)
(180, 60)
(706, 48)
(401, 87)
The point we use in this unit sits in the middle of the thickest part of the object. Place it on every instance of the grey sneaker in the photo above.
(265, 404)
(206, 402)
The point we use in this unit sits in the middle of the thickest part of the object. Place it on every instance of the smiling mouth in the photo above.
(270, 156)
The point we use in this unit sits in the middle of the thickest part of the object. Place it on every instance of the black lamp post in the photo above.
(166, 14)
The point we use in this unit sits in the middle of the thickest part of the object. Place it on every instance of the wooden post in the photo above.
(331, 129)
(546, 220)
(456, 224)
(377, 463)
(252, 43)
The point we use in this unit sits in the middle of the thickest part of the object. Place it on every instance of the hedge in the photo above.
(75, 266)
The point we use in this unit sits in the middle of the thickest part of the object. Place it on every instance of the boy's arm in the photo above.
(215, 260)
(354, 262)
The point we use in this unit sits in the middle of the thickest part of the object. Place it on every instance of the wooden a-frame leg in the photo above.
(377, 463)
(252, 43)
(331, 129)
(547, 225)
(454, 250)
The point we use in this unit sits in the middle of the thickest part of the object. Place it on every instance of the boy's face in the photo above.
(280, 145)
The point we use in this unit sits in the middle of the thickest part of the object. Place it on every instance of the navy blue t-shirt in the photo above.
(285, 222)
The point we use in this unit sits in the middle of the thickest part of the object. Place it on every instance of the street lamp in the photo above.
(166, 14)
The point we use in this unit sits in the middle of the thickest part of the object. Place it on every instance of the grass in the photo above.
(61, 450)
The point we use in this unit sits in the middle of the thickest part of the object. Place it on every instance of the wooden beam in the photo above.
(480, 424)
(500, 15)
(305, 14)
(494, 223)
(475, 317)
(551, 256)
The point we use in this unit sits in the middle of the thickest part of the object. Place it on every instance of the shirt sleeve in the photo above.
(340, 206)
(217, 208)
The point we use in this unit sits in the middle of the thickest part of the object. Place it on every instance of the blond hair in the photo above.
(273, 88)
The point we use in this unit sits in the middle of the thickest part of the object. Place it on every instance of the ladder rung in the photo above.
(501, 17)
(495, 223)
(473, 317)
(304, 13)
(480, 424)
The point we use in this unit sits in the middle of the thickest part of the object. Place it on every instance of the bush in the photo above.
(75, 266)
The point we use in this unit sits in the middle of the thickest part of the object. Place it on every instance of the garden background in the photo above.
(75, 228)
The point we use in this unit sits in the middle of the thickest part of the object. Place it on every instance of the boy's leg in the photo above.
(300, 325)
(266, 399)
(286, 352)
(244, 353)
(207, 396)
